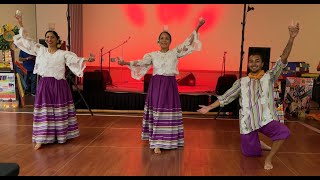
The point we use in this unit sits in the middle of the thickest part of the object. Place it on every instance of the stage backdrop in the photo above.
(108, 25)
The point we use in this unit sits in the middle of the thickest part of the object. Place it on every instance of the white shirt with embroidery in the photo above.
(164, 63)
(256, 99)
(47, 64)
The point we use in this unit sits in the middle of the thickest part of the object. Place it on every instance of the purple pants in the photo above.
(250, 143)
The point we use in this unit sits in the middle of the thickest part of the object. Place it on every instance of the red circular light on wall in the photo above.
(135, 14)
(172, 12)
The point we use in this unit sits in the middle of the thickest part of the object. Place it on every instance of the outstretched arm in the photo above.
(138, 67)
(23, 41)
(192, 43)
(201, 22)
(123, 62)
(204, 109)
(18, 17)
(229, 96)
(293, 31)
(91, 58)
(146, 61)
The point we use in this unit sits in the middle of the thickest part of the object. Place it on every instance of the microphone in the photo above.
(250, 8)
(225, 52)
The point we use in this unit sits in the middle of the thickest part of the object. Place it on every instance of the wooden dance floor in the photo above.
(110, 145)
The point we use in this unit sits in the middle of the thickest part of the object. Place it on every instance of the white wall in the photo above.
(52, 13)
(36, 18)
(266, 26)
(7, 12)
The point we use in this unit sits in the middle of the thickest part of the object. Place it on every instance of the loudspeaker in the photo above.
(265, 53)
(224, 83)
(92, 82)
(106, 76)
(188, 80)
(146, 81)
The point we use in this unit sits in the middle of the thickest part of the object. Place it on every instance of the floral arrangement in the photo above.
(7, 32)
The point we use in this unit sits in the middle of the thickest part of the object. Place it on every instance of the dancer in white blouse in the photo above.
(54, 117)
(258, 112)
(162, 120)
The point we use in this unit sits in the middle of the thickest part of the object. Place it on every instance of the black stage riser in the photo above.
(135, 101)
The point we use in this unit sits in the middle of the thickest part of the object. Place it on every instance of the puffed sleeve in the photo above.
(142, 66)
(277, 69)
(189, 45)
(76, 64)
(231, 94)
(25, 43)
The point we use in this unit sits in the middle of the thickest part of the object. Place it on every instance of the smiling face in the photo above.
(255, 63)
(51, 39)
(164, 40)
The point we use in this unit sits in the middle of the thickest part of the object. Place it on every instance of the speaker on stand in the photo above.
(225, 82)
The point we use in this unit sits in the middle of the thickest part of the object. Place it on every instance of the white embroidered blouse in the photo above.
(47, 64)
(164, 63)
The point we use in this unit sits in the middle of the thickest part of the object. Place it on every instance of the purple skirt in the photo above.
(162, 122)
(54, 112)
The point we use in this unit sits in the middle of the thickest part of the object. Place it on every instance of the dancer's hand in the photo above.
(293, 29)
(91, 58)
(121, 62)
(204, 109)
(201, 22)
(18, 16)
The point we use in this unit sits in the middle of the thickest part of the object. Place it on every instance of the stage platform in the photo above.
(126, 93)
(131, 96)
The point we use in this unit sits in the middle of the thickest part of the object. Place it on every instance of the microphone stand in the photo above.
(242, 39)
(223, 75)
(101, 59)
(224, 63)
(236, 112)
(69, 73)
(109, 52)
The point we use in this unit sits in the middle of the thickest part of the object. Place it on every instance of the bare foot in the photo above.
(37, 146)
(267, 164)
(157, 150)
(264, 146)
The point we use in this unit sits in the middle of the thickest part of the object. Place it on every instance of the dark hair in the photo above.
(56, 35)
(166, 33)
(253, 53)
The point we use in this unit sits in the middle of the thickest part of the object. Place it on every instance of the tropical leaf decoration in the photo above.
(7, 32)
